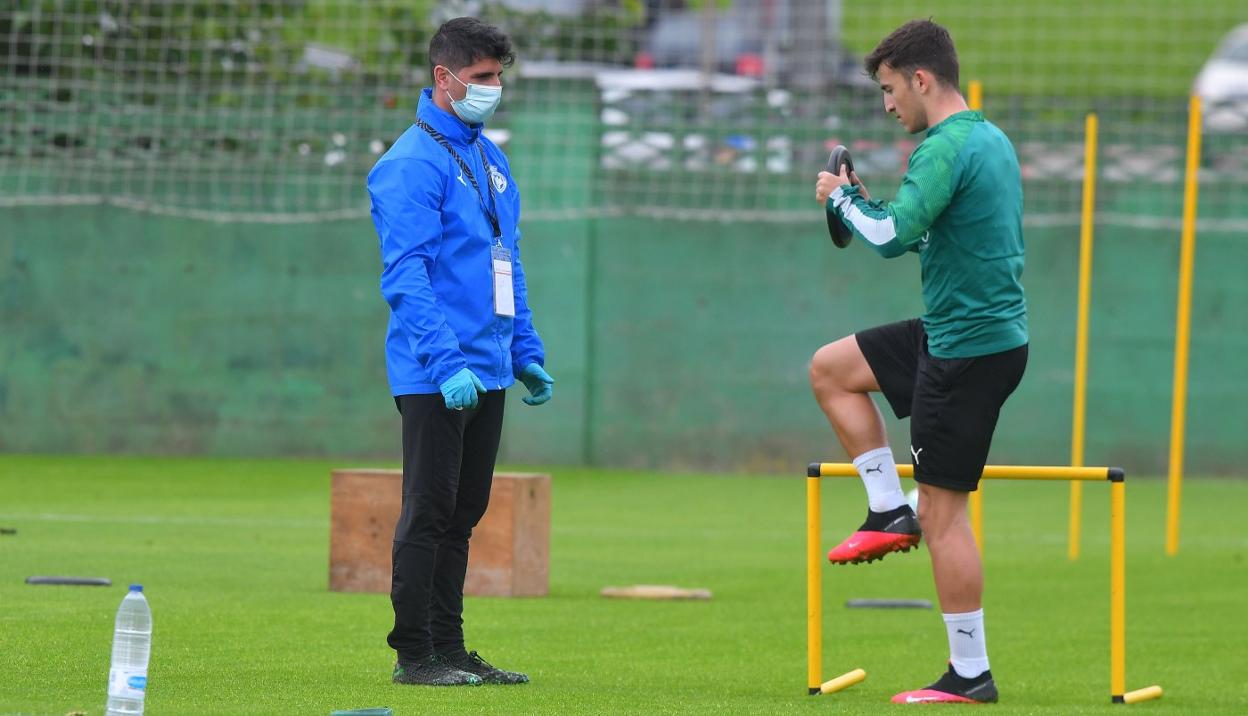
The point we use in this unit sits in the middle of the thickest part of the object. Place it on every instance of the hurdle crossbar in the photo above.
(1117, 562)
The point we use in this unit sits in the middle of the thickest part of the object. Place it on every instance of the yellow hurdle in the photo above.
(1117, 568)
(991, 472)
(814, 590)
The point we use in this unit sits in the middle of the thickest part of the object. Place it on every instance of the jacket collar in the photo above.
(970, 114)
(451, 126)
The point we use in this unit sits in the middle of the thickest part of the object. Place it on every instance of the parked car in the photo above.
(1222, 84)
(745, 44)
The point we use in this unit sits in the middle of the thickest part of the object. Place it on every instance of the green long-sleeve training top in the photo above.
(960, 207)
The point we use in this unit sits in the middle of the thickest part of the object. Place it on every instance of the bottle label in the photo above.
(127, 683)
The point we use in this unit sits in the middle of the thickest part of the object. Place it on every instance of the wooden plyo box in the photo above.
(508, 555)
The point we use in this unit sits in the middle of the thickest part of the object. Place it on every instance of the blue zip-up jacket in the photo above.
(437, 272)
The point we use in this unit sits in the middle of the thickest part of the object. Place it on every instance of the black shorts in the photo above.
(952, 403)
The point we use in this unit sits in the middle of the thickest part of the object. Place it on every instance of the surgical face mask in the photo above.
(478, 104)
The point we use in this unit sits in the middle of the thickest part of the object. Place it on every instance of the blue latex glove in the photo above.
(539, 383)
(461, 390)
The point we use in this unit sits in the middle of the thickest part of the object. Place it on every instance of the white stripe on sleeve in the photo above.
(877, 231)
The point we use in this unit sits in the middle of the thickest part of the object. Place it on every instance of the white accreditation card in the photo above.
(504, 288)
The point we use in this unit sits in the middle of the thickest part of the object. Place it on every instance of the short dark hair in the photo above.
(465, 41)
(918, 44)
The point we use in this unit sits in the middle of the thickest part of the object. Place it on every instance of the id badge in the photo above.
(504, 289)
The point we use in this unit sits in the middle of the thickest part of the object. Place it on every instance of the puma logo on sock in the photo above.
(970, 633)
(877, 468)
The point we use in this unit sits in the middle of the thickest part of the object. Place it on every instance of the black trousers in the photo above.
(448, 465)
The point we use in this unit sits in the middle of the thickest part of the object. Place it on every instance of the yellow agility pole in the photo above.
(975, 101)
(1182, 330)
(1117, 567)
(1081, 329)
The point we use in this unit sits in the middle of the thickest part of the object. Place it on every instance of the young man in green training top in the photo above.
(960, 209)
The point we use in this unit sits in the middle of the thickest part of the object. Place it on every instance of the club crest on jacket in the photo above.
(498, 179)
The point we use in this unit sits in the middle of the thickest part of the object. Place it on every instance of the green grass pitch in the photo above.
(233, 556)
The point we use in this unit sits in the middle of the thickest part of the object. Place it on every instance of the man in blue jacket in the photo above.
(446, 210)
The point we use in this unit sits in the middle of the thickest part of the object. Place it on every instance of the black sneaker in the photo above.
(951, 688)
(490, 674)
(433, 671)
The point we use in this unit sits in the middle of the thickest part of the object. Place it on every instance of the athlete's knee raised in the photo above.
(834, 366)
(823, 368)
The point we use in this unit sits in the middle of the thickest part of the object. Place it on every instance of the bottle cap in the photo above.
(136, 587)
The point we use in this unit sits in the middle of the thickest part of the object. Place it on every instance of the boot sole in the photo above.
(878, 556)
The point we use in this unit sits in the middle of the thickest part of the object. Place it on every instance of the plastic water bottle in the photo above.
(132, 645)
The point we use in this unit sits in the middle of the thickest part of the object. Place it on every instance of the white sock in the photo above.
(878, 471)
(968, 652)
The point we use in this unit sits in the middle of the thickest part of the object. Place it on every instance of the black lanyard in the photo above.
(490, 209)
